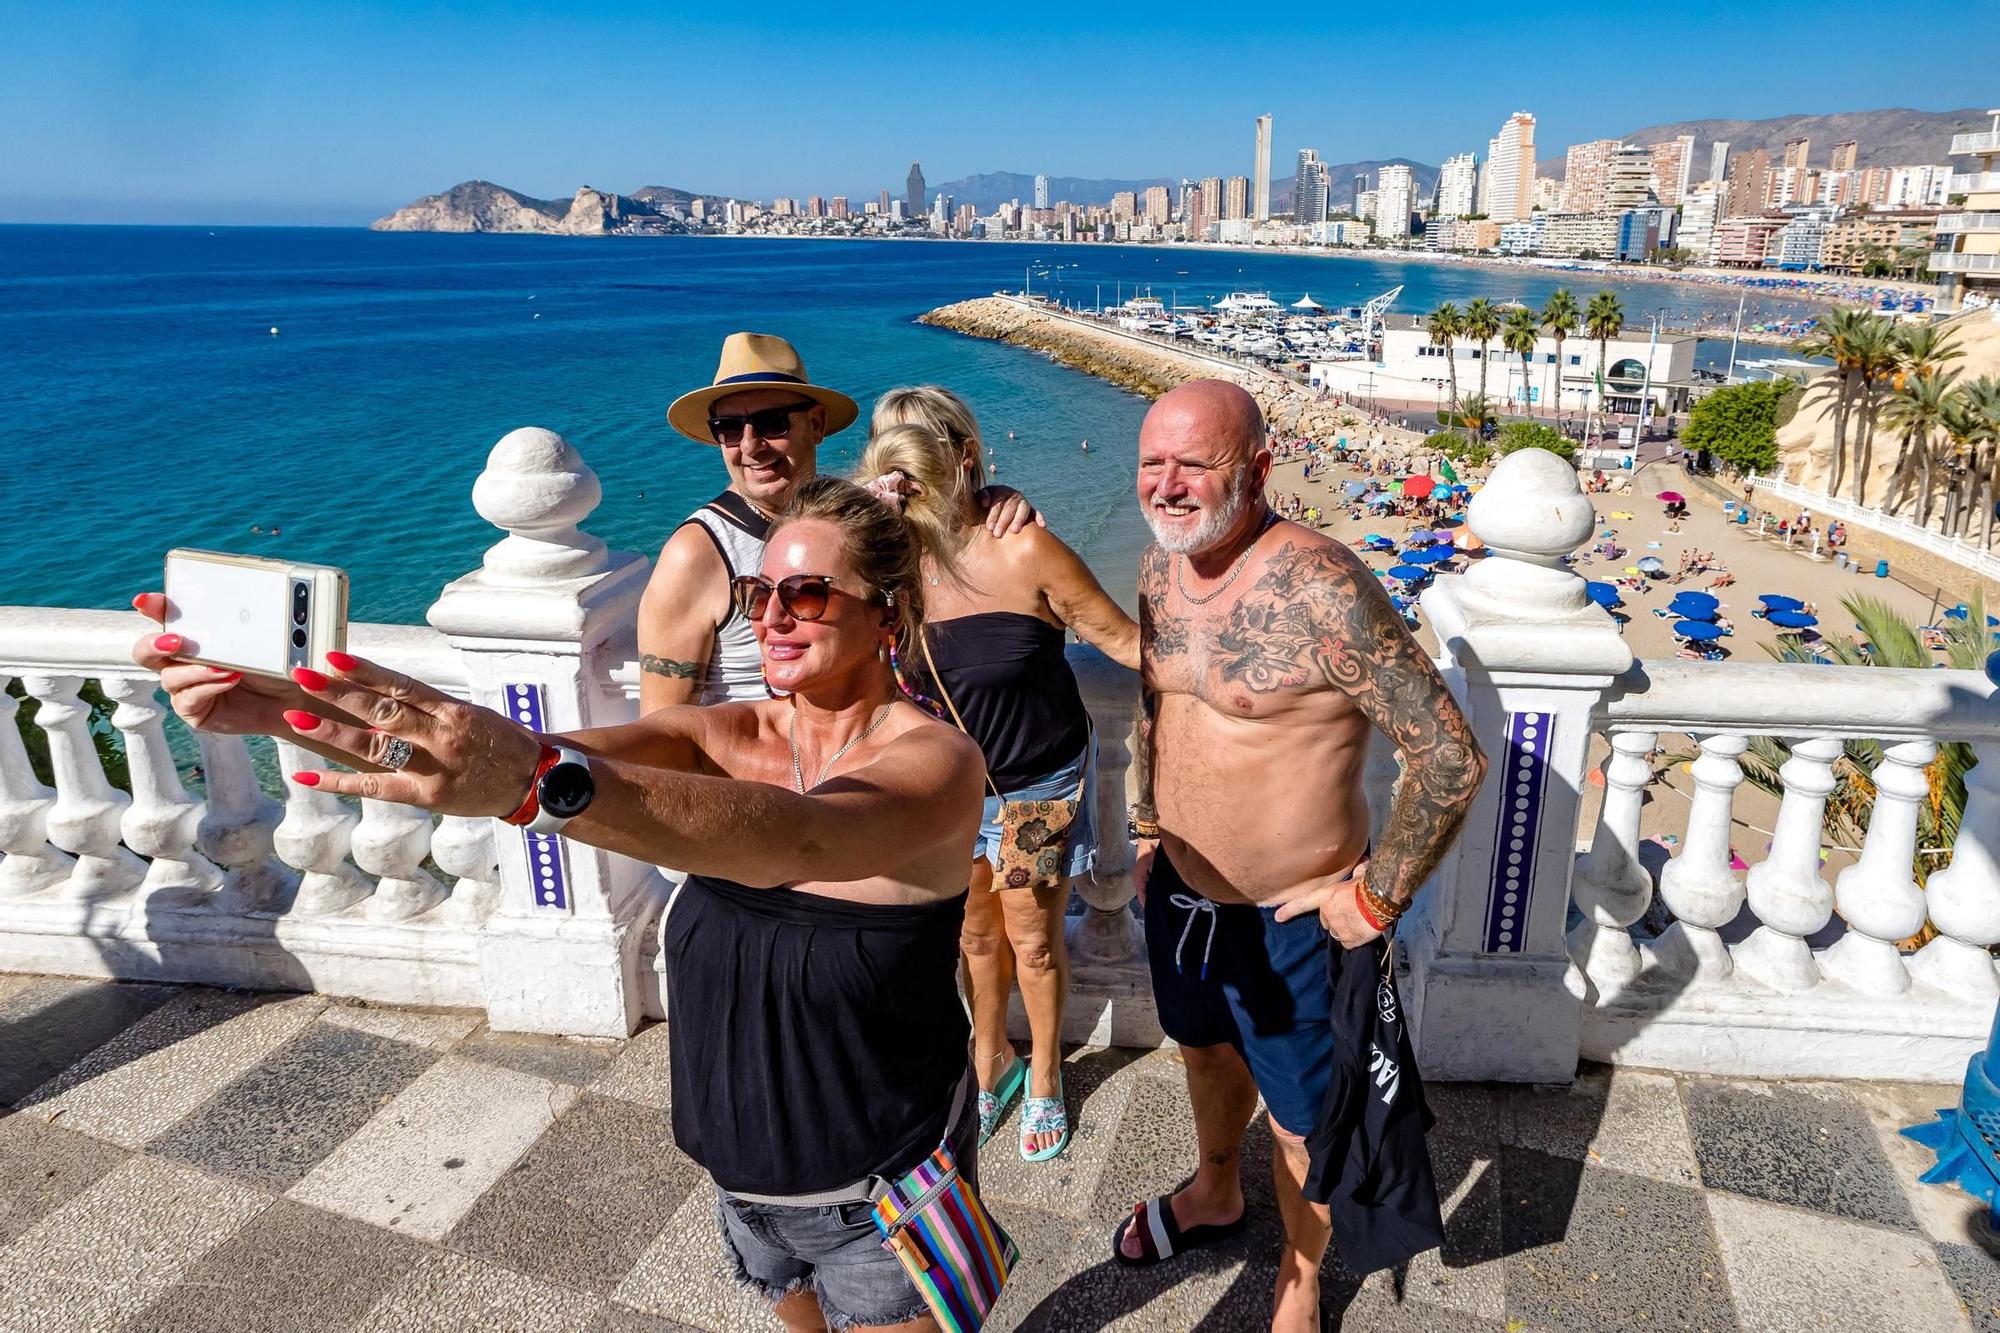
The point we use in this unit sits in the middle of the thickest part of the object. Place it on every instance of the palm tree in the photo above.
(1561, 318)
(1962, 429)
(1915, 412)
(1482, 322)
(1603, 320)
(1878, 354)
(1833, 337)
(1519, 334)
(1445, 326)
(1982, 399)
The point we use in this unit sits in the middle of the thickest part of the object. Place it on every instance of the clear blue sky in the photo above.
(309, 112)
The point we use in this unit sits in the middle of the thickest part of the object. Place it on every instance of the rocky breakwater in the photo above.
(1139, 365)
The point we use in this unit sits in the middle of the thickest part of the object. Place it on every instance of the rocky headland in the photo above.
(481, 206)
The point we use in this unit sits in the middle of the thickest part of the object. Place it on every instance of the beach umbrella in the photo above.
(1422, 537)
(1430, 555)
(1418, 487)
(1671, 497)
(1604, 594)
(1468, 540)
(1778, 602)
(1373, 539)
(1380, 502)
(1959, 612)
(1355, 488)
(1698, 630)
(1792, 619)
(1706, 601)
(1407, 572)
(1652, 564)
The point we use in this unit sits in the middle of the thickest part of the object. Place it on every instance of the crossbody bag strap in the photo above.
(937, 679)
(868, 1189)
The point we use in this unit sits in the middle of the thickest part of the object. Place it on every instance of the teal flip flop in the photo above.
(993, 1105)
(1043, 1115)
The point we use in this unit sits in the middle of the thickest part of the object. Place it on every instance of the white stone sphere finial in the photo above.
(1530, 514)
(537, 488)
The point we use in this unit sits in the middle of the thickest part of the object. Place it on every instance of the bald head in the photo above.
(1202, 465)
(1220, 413)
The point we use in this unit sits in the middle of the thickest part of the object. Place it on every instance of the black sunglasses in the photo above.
(772, 423)
(803, 596)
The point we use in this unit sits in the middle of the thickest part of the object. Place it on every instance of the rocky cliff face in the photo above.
(475, 206)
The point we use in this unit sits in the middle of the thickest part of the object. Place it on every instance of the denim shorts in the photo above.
(1080, 852)
(835, 1251)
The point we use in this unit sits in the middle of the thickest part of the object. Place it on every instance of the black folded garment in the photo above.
(1370, 1164)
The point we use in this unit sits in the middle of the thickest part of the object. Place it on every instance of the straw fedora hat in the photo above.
(757, 361)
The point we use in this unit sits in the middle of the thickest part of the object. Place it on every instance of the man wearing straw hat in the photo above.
(768, 418)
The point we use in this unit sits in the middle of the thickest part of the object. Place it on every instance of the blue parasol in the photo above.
(1778, 602)
(1356, 488)
(1697, 629)
(1652, 564)
(1792, 619)
(1430, 555)
(1407, 572)
(1604, 594)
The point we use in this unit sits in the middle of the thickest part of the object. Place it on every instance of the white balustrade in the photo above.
(162, 822)
(1612, 888)
(236, 831)
(88, 810)
(1963, 898)
(1878, 896)
(390, 843)
(313, 838)
(1107, 933)
(1787, 893)
(1698, 885)
(29, 863)
(464, 847)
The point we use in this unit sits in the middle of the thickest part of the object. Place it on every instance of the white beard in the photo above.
(1213, 527)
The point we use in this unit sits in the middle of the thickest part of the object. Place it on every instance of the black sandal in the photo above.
(1161, 1237)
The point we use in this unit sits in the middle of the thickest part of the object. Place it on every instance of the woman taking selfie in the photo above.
(817, 1042)
(993, 656)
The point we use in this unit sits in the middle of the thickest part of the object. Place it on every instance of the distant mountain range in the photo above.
(1894, 137)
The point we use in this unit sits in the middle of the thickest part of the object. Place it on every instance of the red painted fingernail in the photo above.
(168, 643)
(301, 719)
(139, 602)
(308, 778)
(309, 679)
(340, 661)
(224, 675)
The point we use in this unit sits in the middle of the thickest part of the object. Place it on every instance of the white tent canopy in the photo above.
(1306, 302)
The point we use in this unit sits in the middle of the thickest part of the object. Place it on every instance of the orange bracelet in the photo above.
(531, 805)
(1361, 905)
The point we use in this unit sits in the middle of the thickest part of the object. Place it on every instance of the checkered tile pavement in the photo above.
(186, 1159)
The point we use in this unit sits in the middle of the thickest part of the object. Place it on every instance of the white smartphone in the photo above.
(251, 614)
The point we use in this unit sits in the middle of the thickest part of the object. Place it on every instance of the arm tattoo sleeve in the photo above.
(669, 667)
(1322, 615)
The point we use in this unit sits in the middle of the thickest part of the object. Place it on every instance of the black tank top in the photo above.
(1007, 674)
(813, 1041)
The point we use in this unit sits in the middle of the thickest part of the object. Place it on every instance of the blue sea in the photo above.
(148, 404)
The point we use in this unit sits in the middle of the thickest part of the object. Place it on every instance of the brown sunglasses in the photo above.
(803, 596)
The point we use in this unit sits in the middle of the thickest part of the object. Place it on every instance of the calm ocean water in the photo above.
(148, 405)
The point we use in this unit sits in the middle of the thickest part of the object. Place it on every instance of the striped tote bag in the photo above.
(953, 1250)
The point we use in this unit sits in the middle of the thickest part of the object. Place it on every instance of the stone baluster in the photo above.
(539, 626)
(1107, 932)
(237, 831)
(30, 864)
(1529, 660)
(1878, 896)
(390, 843)
(1703, 893)
(88, 810)
(314, 837)
(1964, 897)
(1788, 895)
(464, 847)
(163, 820)
(1611, 888)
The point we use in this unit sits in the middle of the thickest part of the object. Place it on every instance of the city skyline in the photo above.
(224, 112)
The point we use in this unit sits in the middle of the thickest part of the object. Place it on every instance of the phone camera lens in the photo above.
(298, 638)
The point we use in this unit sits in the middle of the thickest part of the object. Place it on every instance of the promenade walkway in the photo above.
(175, 1158)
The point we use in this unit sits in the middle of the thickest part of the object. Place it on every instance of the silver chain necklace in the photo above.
(792, 739)
(1234, 569)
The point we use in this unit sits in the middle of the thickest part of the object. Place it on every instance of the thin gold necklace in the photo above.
(792, 740)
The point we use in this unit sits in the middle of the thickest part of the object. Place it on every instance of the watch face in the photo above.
(567, 789)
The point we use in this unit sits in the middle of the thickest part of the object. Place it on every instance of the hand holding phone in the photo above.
(249, 614)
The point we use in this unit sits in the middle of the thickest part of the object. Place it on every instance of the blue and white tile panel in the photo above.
(1520, 817)
(548, 865)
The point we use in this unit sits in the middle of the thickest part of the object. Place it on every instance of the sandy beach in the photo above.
(1637, 522)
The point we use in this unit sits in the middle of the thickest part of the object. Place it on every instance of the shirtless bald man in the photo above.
(1269, 650)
